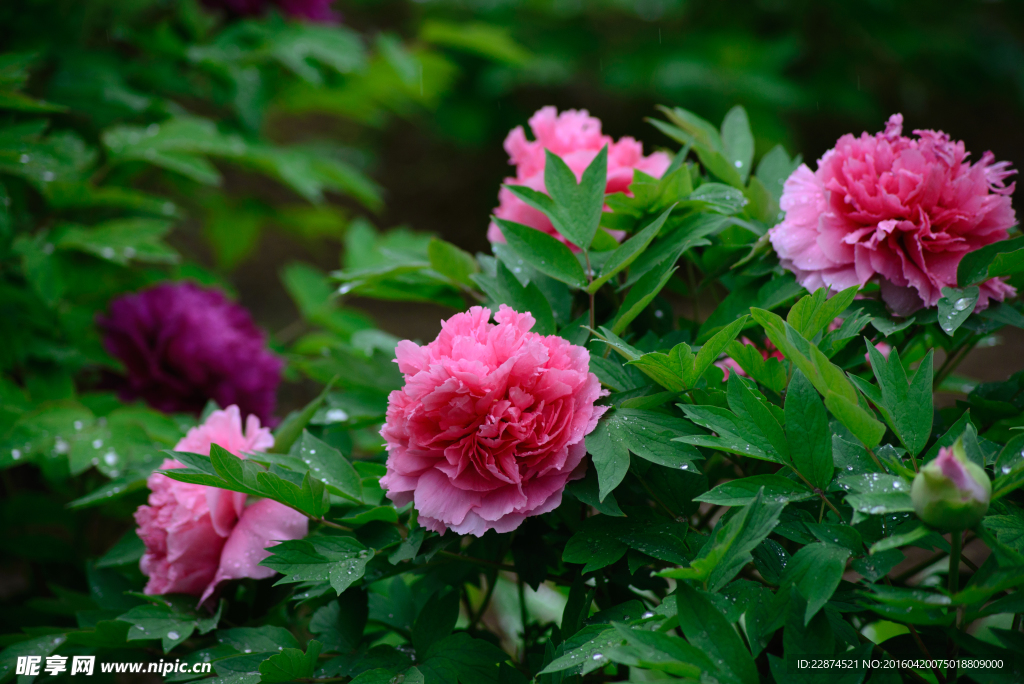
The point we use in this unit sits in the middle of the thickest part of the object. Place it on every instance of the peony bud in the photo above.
(951, 492)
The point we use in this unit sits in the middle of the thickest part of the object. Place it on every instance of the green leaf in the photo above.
(641, 294)
(436, 619)
(486, 40)
(706, 629)
(579, 650)
(647, 434)
(814, 312)
(876, 494)
(878, 565)
(120, 241)
(505, 288)
(168, 620)
(290, 664)
(128, 550)
(906, 403)
(587, 491)
(808, 433)
(956, 306)
(544, 253)
(815, 571)
(774, 168)
(265, 639)
(1002, 258)
(731, 542)
(714, 347)
(328, 465)
(751, 428)
(339, 625)
(738, 141)
(628, 251)
(452, 262)
(769, 372)
(679, 369)
(773, 488)
(578, 207)
(338, 560)
(857, 420)
(461, 658)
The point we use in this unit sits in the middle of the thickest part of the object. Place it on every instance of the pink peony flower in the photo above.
(489, 427)
(903, 209)
(576, 137)
(198, 536)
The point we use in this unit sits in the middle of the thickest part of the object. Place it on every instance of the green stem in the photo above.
(492, 581)
(956, 541)
(954, 359)
(590, 279)
(522, 613)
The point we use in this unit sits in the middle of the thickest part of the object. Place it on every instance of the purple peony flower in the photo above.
(183, 345)
(310, 10)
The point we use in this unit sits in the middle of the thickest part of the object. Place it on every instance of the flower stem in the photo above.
(954, 359)
(956, 541)
(590, 279)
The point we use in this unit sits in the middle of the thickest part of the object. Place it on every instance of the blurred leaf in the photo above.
(738, 141)
(120, 241)
(450, 261)
(486, 40)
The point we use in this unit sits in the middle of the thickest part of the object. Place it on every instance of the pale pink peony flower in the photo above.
(198, 536)
(903, 209)
(576, 137)
(489, 427)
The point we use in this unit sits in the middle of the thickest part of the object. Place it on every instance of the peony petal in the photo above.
(262, 525)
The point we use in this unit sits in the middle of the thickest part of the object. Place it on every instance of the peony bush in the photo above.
(691, 419)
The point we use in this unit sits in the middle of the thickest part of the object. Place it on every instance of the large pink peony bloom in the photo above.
(489, 427)
(576, 137)
(904, 209)
(197, 536)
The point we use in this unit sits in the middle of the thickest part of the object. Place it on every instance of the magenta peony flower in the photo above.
(904, 209)
(197, 536)
(310, 10)
(575, 136)
(489, 427)
(183, 345)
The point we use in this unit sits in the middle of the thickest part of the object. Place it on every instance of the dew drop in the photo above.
(173, 635)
